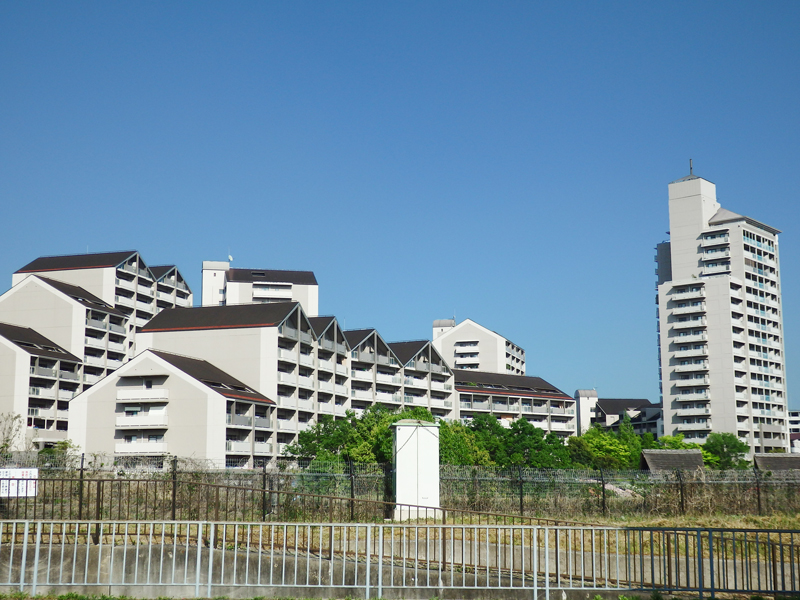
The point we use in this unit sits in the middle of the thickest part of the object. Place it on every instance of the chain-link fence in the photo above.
(571, 494)
(579, 493)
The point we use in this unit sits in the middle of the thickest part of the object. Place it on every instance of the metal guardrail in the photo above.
(208, 559)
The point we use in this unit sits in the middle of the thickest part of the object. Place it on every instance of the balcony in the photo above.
(262, 448)
(690, 382)
(686, 310)
(340, 390)
(288, 332)
(95, 361)
(287, 355)
(147, 420)
(262, 422)
(238, 420)
(124, 301)
(287, 378)
(95, 342)
(467, 360)
(40, 392)
(67, 394)
(49, 435)
(341, 369)
(416, 383)
(363, 356)
(116, 328)
(326, 408)
(692, 397)
(306, 404)
(142, 395)
(693, 412)
(701, 293)
(389, 379)
(145, 290)
(695, 426)
(689, 323)
(327, 344)
(715, 255)
(237, 446)
(43, 372)
(41, 413)
(388, 397)
(287, 401)
(96, 324)
(304, 425)
(340, 410)
(690, 353)
(691, 338)
(440, 385)
(306, 382)
(716, 241)
(325, 386)
(325, 365)
(286, 425)
(125, 284)
(307, 360)
(693, 367)
(91, 379)
(360, 375)
(141, 448)
(306, 337)
(557, 426)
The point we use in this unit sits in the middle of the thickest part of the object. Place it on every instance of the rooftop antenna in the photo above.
(230, 258)
(690, 166)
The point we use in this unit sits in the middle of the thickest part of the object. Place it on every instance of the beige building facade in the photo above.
(720, 321)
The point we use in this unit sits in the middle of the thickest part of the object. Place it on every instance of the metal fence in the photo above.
(583, 494)
(580, 493)
(177, 499)
(202, 559)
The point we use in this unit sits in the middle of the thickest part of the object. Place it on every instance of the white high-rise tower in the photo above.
(720, 322)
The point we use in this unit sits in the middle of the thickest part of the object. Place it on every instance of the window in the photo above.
(148, 384)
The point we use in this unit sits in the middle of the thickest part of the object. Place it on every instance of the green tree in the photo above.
(458, 445)
(728, 449)
(675, 442)
(633, 442)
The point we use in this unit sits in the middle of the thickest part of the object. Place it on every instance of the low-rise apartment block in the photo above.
(223, 285)
(469, 345)
(511, 397)
(38, 378)
(161, 403)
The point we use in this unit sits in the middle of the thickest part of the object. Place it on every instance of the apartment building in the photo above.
(427, 380)
(120, 279)
(161, 403)
(720, 322)
(38, 378)
(223, 285)
(511, 397)
(469, 345)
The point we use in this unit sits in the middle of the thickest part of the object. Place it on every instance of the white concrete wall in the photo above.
(213, 282)
(32, 303)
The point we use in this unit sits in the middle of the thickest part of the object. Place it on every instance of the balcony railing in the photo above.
(152, 420)
(141, 448)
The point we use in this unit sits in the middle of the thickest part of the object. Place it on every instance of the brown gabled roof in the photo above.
(671, 460)
(777, 462)
(468, 380)
(77, 261)
(161, 270)
(236, 316)
(81, 295)
(320, 324)
(216, 379)
(615, 406)
(35, 343)
(271, 276)
(355, 336)
(405, 351)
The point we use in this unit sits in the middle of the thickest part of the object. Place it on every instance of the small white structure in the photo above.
(416, 467)
(470, 345)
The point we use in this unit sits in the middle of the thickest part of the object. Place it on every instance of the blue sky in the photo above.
(501, 161)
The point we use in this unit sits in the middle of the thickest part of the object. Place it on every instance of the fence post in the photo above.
(603, 483)
(97, 511)
(680, 482)
(758, 488)
(80, 490)
(174, 485)
(352, 490)
(699, 556)
(711, 560)
(36, 557)
(264, 491)
(521, 492)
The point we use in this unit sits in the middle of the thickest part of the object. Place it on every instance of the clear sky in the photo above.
(501, 161)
